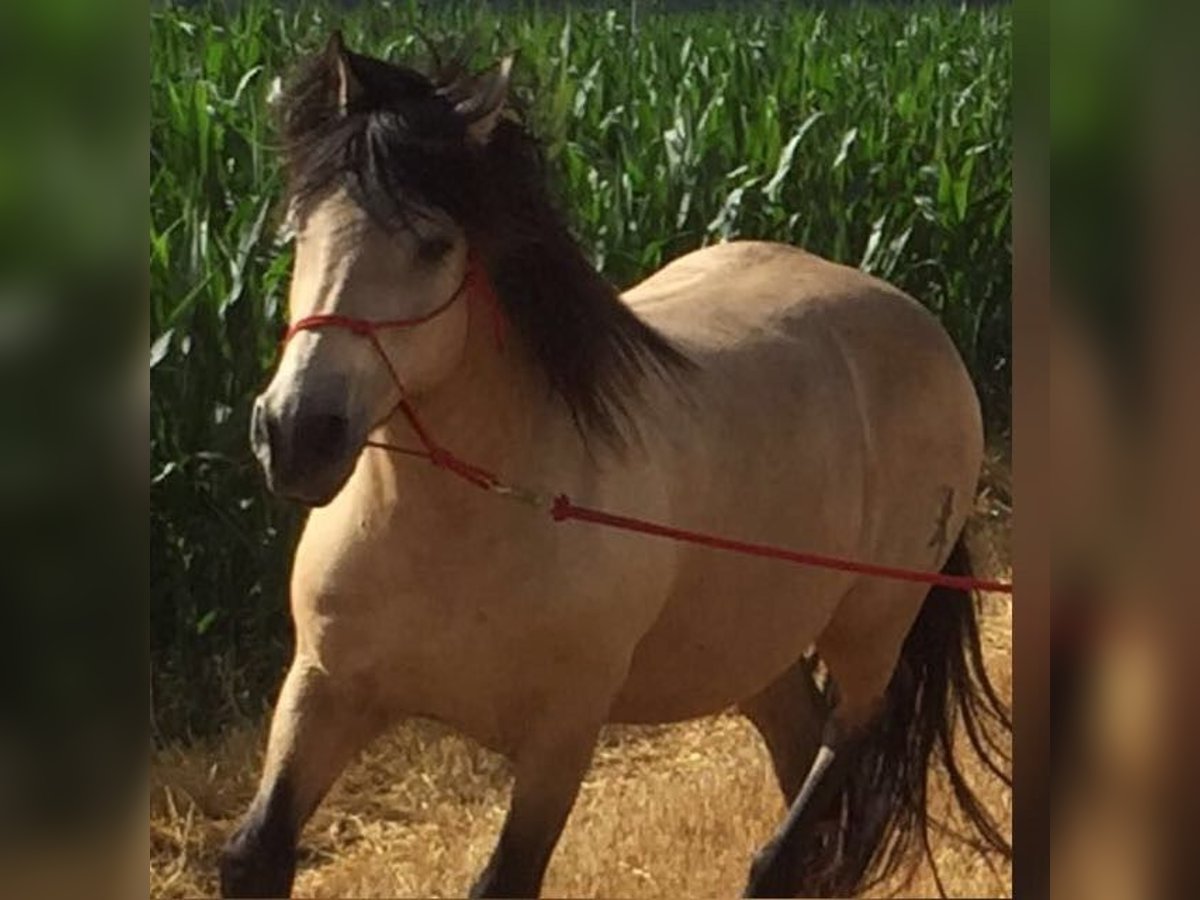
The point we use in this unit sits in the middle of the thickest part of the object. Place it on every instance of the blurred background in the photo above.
(1107, 229)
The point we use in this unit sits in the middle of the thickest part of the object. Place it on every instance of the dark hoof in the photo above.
(251, 867)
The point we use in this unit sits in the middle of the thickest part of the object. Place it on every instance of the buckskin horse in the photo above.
(439, 305)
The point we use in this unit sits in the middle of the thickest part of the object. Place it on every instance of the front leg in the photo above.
(317, 727)
(550, 765)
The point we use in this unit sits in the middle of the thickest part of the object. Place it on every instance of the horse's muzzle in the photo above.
(306, 456)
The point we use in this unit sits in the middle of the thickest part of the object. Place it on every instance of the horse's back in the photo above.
(748, 306)
(744, 288)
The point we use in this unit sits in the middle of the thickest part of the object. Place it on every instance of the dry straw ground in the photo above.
(666, 811)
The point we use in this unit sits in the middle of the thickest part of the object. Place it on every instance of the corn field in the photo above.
(878, 136)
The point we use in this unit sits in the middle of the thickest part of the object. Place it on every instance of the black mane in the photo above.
(401, 145)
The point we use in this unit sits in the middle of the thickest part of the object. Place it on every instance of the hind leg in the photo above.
(318, 725)
(860, 648)
(789, 714)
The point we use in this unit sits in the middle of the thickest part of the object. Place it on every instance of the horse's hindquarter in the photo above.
(830, 413)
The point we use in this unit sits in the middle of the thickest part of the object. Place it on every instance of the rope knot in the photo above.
(560, 510)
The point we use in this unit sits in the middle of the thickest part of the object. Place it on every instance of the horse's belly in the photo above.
(727, 631)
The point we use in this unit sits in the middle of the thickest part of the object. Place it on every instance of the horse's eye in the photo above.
(432, 250)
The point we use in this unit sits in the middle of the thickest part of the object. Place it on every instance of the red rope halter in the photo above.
(560, 507)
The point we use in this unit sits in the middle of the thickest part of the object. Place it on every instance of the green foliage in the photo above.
(877, 136)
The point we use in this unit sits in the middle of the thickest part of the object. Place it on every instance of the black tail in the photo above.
(881, 815)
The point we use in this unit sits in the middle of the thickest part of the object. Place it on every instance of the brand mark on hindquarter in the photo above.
(941, 536)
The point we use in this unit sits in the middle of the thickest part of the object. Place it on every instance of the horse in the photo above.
(747, 388)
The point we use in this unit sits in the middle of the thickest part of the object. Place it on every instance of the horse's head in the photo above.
(386, 168)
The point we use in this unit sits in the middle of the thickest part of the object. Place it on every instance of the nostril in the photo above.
(320, 437)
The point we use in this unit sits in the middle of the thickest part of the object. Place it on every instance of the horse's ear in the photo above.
(483, 99)
(347, 86)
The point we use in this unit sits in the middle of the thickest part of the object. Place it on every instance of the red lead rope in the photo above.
(560, 507)
(563, 508)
